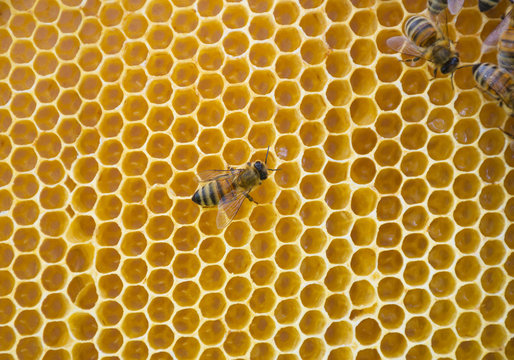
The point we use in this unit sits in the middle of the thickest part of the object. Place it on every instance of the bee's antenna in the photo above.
(274, 169)
(266, 159)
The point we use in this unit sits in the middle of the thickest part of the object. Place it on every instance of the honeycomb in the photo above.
(387, 233)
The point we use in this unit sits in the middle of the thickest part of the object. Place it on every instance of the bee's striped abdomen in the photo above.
(211, 193)
(484, 5)
(437, 6)
(420, 31)
(491, 77)
(506, 50)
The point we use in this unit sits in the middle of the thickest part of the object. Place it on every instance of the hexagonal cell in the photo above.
(112, 41)
(235, 16)
(363, 23)
(287, 39)
(363, 111)
(286, 12)
(236, 43)
(261, 27)
(363, 52)
(389, 208)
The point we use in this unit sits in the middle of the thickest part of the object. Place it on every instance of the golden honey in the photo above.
(387, 232)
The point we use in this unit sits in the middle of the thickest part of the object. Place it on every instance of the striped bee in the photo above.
(503, 34)
(506, 50)
(485, 5)
(435, 7)
(426, 41)
(495, 81)
(227, 189)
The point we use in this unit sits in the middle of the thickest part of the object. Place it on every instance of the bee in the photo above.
(503, 34)
(426, 41)
(227, 189)
(495, 81)
(506, 50)
(485, 5)
(435, 7)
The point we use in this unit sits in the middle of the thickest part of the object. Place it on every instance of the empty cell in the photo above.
(134, 53)
(388, 181)
(368, 331)
(493, 280)
(313, 23)
(468, 21)
(338, 92)
(235, 16)
(338, 36)
(414, 82)
(363, 231)
(23, 105)
(363, 262)
(314, 51)
(210, 141)
(492, 308)
(467, 103)
(388, 152)
(364, 23)
(389, 262)
(363, 111)
(390, 289)
(363, 81)
(363, 52)
(388, 125)
(45, 37)
(388, 208)
(441, 229)
(417, 301)
(286, 12)
(134, 26)
(492, 252)
(492, 170)
(391, 316)
(491, 224)
(261, 27)
(22, 51)
(112, 41)
(363, 170)
(491, 115)
(312, 323)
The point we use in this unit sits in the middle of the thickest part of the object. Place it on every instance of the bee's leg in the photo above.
(251, 198)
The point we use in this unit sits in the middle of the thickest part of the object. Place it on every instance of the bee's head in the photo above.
(450, 65)
(261, 169)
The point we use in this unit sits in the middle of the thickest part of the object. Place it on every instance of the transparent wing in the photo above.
(492, 39)
(454, 6)
(210, 175)
(228, 207)
(404, 46)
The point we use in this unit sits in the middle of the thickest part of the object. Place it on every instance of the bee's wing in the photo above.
(492, 39)
(229, 206)
(404, 46)
(454, 6)
(210, 175)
